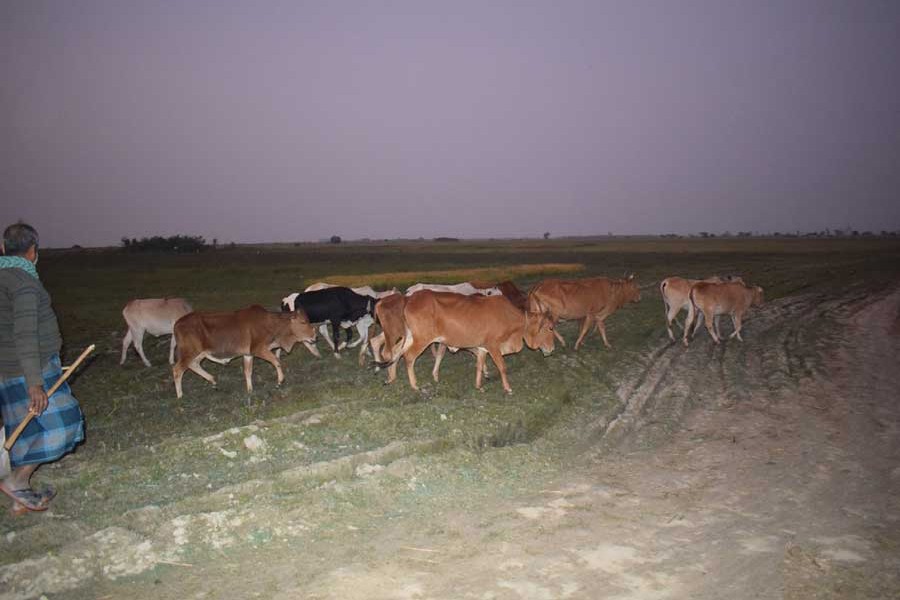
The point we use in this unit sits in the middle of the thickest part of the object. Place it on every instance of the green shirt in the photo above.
(29, 332)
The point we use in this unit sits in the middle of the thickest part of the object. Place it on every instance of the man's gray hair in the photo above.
(18, 238)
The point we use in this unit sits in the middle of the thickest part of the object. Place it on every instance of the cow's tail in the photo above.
(398, 350)
(662, 290)
(692, 320)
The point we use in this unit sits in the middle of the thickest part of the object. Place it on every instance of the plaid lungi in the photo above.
(48, 436)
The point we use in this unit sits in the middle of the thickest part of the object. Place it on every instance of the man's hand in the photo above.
(38, 399)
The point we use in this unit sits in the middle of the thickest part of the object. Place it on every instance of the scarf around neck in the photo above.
(18, 262)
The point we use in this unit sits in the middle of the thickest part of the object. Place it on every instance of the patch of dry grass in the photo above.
(402, 278)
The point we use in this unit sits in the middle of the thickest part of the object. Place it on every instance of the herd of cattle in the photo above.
(483, 318)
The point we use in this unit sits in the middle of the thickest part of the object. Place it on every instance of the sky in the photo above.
(264, 121)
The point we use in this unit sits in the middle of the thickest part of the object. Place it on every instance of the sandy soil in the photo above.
(769, 469)
(792, 495)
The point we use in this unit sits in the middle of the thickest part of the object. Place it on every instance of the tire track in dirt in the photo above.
(786, 486)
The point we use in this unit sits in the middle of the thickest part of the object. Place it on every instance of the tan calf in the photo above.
(155, 316)
(713, 299)
(248, 332)
(591, 299)
(676, 294)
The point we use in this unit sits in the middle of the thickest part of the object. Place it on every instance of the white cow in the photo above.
(364, 290)
(466, 289)
(155, 316)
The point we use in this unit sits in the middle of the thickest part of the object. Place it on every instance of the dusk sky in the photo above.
(264, 121)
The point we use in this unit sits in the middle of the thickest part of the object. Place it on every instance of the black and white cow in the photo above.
(337, 306)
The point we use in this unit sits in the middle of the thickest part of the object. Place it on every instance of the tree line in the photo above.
(172, 243)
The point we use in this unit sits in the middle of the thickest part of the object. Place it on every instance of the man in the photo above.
(29, 365)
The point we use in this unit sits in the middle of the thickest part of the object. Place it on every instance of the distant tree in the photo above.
(335, 239)
(215, 242)
(157, 243)
(704, 234)
(546, 235)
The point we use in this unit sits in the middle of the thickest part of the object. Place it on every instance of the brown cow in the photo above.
(386, 345)
(486, 324)
(249, 332)
(155, 316)
(592, 299)
(389, 312)
(676, 294)
(713, 299)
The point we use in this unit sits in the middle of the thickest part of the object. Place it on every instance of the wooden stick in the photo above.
(15, 434)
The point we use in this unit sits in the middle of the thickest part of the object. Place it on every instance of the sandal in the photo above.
(29, 499)
(47, 494)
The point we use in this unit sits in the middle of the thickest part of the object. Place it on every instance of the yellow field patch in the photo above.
(493, 274)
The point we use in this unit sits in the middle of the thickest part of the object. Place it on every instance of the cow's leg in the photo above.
(438, 357)
(601, 327)
(392, 373)
(716, 320)
(480, 366)
(362, 328)
(323, 329)
(362, 354)
(711, 328)
(126, 341)
(178, 370)
(671, 314)
(376, 343)
(349, 334)
(199, 370)
(139, 345)
(172, 350)
(248, 372)
(497, 357)
(698, 324)
(336, 330)
(557, 335)
(411, 354)
(585, 327)
(688, 323)
(736, 320)
(485, 369)
(268, 356)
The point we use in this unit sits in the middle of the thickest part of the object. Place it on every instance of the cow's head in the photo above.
(539, 332)
(299, 330)
(632, 291)
(757, 296)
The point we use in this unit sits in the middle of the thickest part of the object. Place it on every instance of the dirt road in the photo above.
(756, 495)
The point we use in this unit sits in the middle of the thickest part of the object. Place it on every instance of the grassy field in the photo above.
(145, 448)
